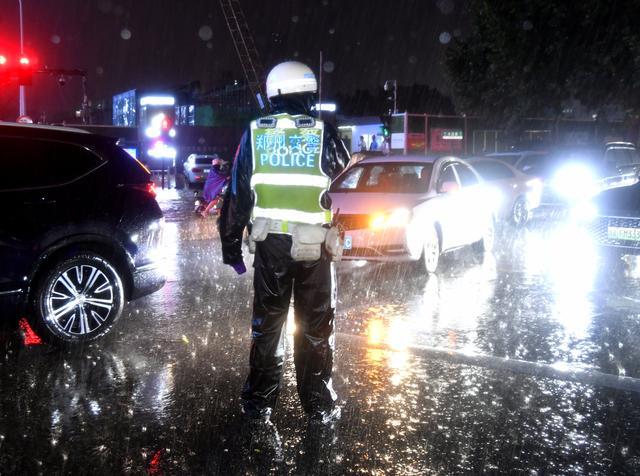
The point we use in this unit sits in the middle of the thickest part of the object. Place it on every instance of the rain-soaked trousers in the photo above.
(276, 278)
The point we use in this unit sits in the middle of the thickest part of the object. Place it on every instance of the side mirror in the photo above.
(448, 186)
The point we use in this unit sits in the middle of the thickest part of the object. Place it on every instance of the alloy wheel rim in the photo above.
(519, 212)
(431, 251)
(80, 300)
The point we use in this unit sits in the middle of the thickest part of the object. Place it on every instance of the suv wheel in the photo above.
(520, 212)
(78, 300)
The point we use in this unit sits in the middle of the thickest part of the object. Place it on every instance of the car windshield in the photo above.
(203, 160)
(389, 177)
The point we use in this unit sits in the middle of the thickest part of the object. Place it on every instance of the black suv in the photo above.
(80, 231)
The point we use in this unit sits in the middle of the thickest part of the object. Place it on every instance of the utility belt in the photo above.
(306, 240)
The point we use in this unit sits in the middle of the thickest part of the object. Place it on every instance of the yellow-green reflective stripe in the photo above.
(290, 179)
(292, 215)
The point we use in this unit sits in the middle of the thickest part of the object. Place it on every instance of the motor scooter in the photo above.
(204, 208)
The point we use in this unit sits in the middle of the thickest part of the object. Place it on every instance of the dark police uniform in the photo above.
(282, 169)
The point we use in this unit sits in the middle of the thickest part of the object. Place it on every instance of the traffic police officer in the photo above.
(283, 168)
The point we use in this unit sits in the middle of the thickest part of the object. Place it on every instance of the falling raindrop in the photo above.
(99, 70)
(527, 25)
(332, 31)
(209, 45)
(55, 39)
(295, 18)
(205, 33)
(413, 59)
(295, 54)
(445, 6)
(118, 10)
(125, 34)
(445, 37)
(105, 6)
(328, 66)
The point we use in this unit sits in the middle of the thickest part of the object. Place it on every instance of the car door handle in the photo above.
(41, 201)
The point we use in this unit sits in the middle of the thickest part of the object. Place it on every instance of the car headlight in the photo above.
(397, 218)
(575, 182)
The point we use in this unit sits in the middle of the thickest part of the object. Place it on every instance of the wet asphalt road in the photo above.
(526, 363)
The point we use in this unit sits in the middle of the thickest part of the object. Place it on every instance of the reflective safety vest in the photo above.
(288, 181)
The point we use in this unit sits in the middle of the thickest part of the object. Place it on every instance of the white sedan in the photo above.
(407, 208)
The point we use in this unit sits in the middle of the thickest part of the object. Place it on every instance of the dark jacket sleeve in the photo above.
(238, 202)
(335, 156)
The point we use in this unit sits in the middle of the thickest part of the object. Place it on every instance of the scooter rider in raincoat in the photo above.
(283, 168)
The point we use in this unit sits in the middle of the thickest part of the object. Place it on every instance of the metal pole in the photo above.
(22, 101)
(395, 96)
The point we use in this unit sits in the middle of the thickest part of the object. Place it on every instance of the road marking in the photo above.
(536, 369)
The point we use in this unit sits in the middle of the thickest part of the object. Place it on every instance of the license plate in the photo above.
(620, 233)
(348, 242)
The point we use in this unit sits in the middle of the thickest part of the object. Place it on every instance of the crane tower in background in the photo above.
(246, 49)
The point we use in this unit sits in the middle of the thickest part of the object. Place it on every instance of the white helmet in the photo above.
(291, 77)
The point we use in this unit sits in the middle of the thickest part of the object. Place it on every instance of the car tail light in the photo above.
(196, 170)
(148, 187)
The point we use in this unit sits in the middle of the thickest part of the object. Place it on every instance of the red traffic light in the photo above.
(24, 61)
(3, 60)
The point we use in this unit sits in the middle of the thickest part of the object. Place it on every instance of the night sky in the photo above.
(148, 44)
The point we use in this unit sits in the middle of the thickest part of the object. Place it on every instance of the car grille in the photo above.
(375, 252)
(354, 222)
(602, 236)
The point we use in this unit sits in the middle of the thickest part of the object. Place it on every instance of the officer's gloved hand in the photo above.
(239, 268)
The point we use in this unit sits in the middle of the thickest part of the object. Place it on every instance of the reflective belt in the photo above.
(286, 215)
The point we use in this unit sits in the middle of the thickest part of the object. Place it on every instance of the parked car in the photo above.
(520, 192)
(530, 162)
(80, 231)
(196, 168)
(616, 221)
(410, 208)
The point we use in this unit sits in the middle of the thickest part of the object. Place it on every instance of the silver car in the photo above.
(410, 208)
(197, 168)
(521, 193)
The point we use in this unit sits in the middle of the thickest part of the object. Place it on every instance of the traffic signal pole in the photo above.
(22, 100)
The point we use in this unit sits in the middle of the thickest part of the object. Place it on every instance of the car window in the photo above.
(40, 163)
(532, 164)
(204, 161)
(386, 178)
(447, 175)
(467, 177)
(348, 181)
(493, 170)
(621, 156)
